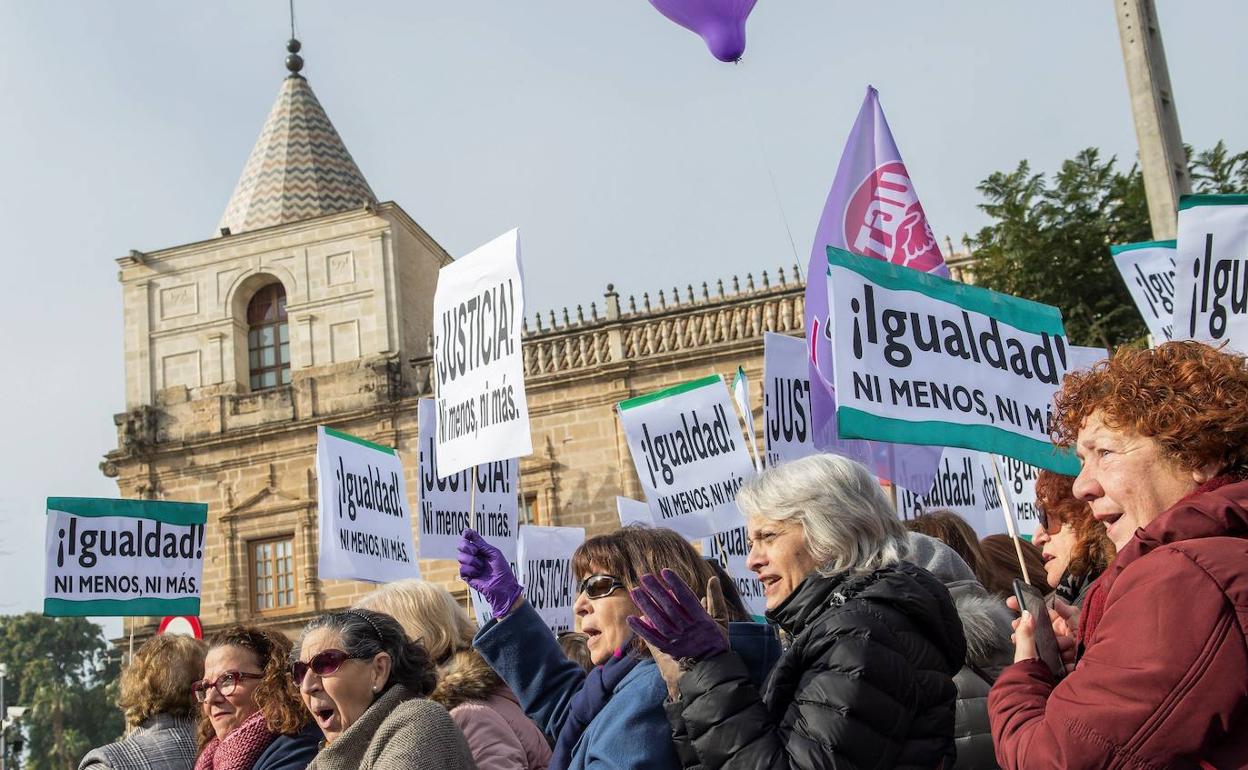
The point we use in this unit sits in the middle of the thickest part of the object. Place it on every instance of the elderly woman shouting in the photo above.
(365, 684)
(867, 680)
(1162, 435)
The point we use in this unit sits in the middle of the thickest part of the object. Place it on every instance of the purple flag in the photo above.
(872, 210)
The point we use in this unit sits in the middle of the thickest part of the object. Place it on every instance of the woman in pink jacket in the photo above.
(499, 734)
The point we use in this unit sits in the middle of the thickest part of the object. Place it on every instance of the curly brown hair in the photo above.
(159, 678)
(276, 695)
(1093, 549)
(1188, 397)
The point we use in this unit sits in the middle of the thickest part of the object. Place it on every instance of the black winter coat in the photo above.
(866, 683)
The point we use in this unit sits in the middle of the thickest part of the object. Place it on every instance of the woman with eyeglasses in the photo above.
(252, 718)
(365, 684)
(499, 735)
(1072, 542)
(614, 716)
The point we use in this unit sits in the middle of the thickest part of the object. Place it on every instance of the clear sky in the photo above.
(623, 151)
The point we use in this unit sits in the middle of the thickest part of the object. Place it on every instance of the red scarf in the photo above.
(1094, 603)
(239, 749)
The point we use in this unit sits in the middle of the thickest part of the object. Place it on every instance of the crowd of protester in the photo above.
(886, 643)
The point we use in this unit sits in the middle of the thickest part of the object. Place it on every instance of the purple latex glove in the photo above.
(484, 568)
(675, 621)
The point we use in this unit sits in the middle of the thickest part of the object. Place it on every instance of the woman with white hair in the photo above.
(867, 679)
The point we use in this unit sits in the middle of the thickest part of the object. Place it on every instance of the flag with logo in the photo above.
(873, 211)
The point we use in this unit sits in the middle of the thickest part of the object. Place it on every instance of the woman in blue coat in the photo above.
(612, 718)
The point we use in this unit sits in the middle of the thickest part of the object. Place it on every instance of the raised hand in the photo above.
(674, 621)
(485, 569)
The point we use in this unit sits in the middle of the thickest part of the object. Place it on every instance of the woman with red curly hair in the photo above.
(1072, 542)
(1162, 680)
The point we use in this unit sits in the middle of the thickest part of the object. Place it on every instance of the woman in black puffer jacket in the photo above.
(867, 679)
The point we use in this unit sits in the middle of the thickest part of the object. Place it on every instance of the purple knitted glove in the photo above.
(484, 568)
(675, 621)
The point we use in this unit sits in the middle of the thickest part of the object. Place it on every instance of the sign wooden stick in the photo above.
(1009, 518)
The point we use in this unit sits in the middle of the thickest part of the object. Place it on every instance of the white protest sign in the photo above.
(123, 557)
(690, 455)
(730, 550)
(786, 399)
(366, 528)
(633, 512)
(1148, 270)
(478, 309)
(1211, 271)
(445, 500)
(925, 360)
(966, 485)
(546, 572)
(1019, 480)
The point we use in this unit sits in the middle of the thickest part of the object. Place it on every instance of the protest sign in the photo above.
(366, 527)
(925, 360)
(966, 485)
(730, 550)
(446, 508)
(690, 455)
(633, 512)
(1148, 270)
(1211, 270)
(1019, 480)
(123, 557)
(786, 400)
(872, 210)
(478, 310)
(546, 572)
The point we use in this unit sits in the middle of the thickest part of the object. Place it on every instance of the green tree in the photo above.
(1049, 239)
(62, 669)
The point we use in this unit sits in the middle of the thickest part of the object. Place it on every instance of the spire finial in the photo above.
(294, 62)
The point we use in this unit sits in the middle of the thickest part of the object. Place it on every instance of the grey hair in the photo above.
(365, 633)
(849, 523)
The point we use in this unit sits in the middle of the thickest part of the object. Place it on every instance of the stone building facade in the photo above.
(313, 306)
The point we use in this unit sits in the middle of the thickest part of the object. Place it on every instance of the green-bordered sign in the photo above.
(924, 360)
(1211, 271)
(690, 455)
(1148, 270)
(123, 557)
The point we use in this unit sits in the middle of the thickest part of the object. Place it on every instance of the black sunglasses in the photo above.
(598, 586)
(1050, 524)
(321, 664)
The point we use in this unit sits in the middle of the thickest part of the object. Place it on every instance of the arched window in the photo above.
(268, 340)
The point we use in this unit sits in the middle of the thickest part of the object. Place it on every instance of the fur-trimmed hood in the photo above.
(466, 677)
(985, 619)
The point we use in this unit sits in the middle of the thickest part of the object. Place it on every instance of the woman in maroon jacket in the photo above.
(1162, 679)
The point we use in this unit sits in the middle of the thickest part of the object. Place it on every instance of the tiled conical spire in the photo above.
(299, 168)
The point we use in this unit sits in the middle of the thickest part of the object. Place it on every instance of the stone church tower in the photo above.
(313, 306)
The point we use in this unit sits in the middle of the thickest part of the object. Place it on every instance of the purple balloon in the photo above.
(721, 23)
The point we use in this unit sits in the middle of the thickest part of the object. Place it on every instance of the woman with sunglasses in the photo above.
(614, 716)
(365, 684)
(253, 719)
(1072, 542)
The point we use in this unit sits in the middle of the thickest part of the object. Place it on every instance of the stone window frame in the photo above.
(274, 293)
(293, 586)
